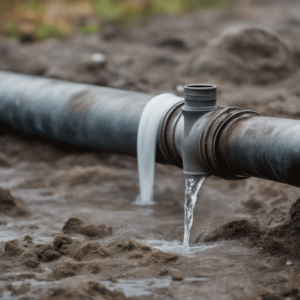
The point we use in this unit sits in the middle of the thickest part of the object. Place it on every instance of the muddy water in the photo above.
(79, 233)
(68, 228)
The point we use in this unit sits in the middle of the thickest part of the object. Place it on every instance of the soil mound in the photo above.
(290, 294)
(282, 238)
(28, 254)
(244, 55)
(71, 268)
(4, 161)
(23, 289)
(85, 175)
(133, 245)
(75, 225)
(87, 290)
(9, 205)
(91, 251)
(236, 229)
(64, 245)
(160, 258)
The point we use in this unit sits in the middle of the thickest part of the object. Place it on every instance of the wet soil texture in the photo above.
(68, 228)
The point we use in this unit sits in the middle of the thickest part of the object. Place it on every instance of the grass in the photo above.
(43, 19)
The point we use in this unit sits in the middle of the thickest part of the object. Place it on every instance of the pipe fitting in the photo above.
(179, 137)
(191, 130)
(200, 97)
(213, 162)
(199, 104)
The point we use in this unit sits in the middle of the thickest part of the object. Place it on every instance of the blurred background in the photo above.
(152, 46)
(29, 20)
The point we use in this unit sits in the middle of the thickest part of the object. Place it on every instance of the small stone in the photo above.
(28, 239)
(3, 221)
(113, 279)
(288, 262)
(177, 277)
(98, 59)
(163, 272)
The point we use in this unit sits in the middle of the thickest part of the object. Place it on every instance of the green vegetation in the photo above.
(124, 11)
(89, 28)
(43, 32)
(43, 19)
(12, 31)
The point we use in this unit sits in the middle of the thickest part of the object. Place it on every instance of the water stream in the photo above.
(150, 121)
(146, 151)
(192, 187)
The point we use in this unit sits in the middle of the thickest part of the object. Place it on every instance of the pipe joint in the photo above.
(211, 144)
(191, 130)
(199, 105)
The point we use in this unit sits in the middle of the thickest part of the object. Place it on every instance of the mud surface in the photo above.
(68, 226)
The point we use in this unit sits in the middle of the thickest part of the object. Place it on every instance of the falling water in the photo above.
(192, 187)
(147, 142)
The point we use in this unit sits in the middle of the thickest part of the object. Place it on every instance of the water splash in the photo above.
(192, 186)
(150, 121)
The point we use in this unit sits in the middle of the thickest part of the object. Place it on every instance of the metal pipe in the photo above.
(195, 135)
(80, 114)
(199, 103)
(262, 147)
(232, 143)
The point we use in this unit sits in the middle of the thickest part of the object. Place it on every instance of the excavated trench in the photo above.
(68, 229)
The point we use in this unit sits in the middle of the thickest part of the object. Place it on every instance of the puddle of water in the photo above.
(226, 248)
(17, 284)
(176, 247)
(144, 287)
(147, 141)
(130, 287)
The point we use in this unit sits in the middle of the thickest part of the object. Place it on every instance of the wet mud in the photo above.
(279, 239)
(68, 225)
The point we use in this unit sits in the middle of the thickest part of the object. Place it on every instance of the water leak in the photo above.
(145, 287)
(130, 287)
(202, 250)
(146, 151)
(192, 186)
(176, 247)
(150, 121)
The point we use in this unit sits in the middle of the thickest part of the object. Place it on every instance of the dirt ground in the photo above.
(68, 228)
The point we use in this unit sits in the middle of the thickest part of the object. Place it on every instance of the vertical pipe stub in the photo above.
(200, 96)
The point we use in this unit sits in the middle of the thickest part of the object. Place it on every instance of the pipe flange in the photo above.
(167, 141)
(209, 141)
